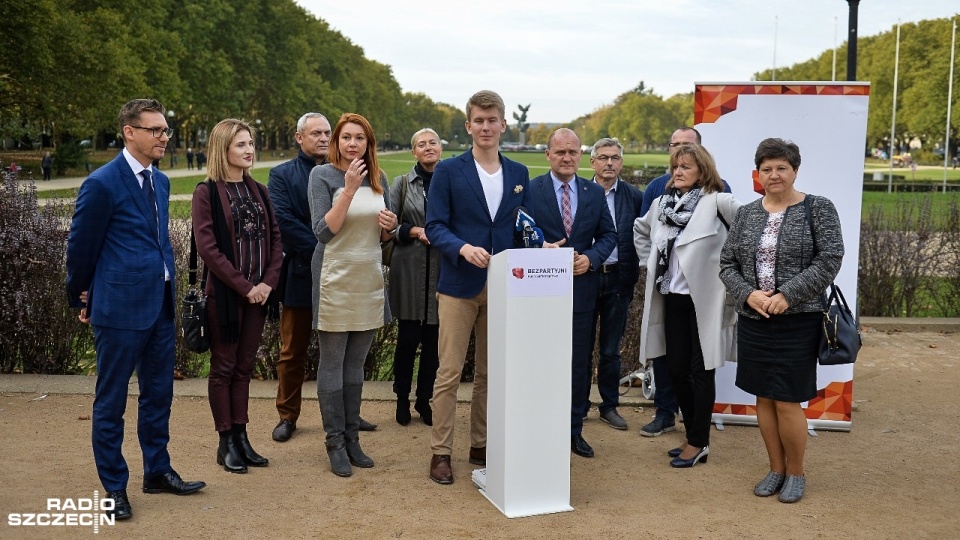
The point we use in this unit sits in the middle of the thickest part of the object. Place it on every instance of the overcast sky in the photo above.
(568, 58)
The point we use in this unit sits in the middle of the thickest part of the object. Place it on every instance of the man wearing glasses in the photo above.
(664, 400)
(617, 276)
(120, 273)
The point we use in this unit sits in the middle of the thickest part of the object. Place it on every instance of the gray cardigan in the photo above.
(413, 284)
(801, 275)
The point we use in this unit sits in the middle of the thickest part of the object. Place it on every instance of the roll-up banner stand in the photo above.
(828, 121)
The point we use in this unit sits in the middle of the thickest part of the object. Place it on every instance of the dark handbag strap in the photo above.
(809, 213)
(193, 249)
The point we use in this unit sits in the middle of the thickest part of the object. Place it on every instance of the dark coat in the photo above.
(288, 193)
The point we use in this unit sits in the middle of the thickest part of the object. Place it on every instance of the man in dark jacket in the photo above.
(617, 276)
(288, 194)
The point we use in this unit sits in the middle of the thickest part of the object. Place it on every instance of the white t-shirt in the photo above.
(492, 188)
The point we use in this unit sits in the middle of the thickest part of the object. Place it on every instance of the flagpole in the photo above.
(834, 76)
(774, 76)
(893, 123)
(946, 139)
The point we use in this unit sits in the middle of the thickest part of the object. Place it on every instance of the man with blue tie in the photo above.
(572, 212)
(471, 217)
(120, 273)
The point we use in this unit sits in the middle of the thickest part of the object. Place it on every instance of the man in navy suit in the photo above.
(471, 217)
(572, 212)
(120, 273)
(617, 276)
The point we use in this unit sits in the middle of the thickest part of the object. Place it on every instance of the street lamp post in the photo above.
(259, 138)
(173, 141)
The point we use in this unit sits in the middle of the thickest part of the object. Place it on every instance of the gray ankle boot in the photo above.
(352, 396)
(331, 412)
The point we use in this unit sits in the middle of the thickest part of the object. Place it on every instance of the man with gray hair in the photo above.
(617, 275)
(288, 194)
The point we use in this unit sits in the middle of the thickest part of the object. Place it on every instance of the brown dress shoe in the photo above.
(441, 471)
(478, 456)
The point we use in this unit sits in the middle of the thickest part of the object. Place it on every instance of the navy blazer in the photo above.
(627, 203)
(458, 215)
(114, 250)
(592, 235)
(288, 195)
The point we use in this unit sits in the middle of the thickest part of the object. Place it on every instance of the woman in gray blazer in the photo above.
(782, 253)
(686, 313)
(413, 281)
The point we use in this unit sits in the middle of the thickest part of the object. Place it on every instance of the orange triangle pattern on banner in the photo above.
(835, 402)
(710, 102)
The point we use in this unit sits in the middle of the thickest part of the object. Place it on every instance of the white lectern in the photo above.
(530, 307)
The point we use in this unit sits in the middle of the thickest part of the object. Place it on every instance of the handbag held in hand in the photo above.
(840, 339)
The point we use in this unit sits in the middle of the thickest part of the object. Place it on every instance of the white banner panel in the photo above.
(828, 121)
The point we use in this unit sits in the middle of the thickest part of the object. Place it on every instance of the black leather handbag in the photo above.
(840, 340)
(194, 328)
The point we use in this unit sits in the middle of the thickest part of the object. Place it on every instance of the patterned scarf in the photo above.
(675, 213)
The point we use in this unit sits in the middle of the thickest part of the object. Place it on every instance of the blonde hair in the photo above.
(218, 145)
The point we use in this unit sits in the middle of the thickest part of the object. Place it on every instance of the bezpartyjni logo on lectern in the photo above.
(80, 512)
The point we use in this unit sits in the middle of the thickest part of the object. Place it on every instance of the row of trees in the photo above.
(67, 65)
(922, 88)
(642, 119)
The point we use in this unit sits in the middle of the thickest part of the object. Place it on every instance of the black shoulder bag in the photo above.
(840, 338)
(194, 327)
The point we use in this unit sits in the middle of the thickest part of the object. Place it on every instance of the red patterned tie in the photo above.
(566, 210)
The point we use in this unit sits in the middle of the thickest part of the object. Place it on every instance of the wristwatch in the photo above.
(395, 231)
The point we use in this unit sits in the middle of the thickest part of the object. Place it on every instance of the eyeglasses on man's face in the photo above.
(614, 158)
(157, 132)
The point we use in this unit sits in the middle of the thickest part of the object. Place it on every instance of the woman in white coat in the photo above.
(687, 314)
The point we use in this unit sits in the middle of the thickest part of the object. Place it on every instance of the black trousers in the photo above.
(694, 386)
(410, 336)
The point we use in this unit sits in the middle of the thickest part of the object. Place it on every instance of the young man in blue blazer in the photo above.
(473, 200)
(120, 273)
(572, 212)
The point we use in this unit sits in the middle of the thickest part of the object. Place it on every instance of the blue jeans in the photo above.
(663, 398)
(611, 310)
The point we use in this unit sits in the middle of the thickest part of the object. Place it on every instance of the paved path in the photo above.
(74, 182)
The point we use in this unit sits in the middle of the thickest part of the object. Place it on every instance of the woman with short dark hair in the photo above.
(783, 251)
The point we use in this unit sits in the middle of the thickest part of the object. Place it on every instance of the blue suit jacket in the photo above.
(115, 252)
(288, 195)
(592, 235)
(457, 214)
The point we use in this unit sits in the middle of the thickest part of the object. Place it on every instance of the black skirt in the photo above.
(777, 357)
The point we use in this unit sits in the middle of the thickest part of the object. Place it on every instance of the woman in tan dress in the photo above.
(350, 215)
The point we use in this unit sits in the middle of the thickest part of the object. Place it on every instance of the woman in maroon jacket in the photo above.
(239, 241)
